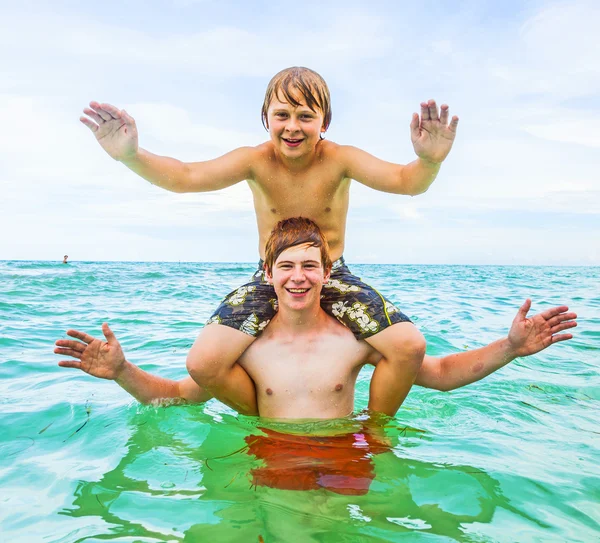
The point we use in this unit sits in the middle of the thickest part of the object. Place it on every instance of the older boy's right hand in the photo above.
(103, 359)
(114, 129)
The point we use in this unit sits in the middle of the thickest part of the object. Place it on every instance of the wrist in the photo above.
(122, 374)
(432, 164)
(131, 158)
(510, 352)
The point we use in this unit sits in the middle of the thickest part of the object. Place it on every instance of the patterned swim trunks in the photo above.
(345, 297)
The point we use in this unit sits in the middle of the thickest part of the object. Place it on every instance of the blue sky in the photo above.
(521, 185)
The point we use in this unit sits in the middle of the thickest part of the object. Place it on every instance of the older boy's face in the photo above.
(298, 277)
(295, 131)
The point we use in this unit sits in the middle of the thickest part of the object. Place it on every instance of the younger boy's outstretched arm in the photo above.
(116, 132)
(432, 137)
(527, 336)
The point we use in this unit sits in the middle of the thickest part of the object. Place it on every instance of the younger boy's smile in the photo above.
(293, 142)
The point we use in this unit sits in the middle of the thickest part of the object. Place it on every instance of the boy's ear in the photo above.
(327, 274)
(268, 275)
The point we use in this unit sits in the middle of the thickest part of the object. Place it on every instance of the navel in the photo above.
(339, 387)
(269, 392)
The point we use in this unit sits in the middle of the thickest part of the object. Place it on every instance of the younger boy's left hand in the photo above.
(431, 135)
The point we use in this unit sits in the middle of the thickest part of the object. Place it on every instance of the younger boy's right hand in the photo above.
(103, 359)
(114, 129)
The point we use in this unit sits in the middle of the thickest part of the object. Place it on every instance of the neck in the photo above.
(295, 165)
(303, 321)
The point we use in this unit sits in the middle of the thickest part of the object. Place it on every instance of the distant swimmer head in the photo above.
(65, 259)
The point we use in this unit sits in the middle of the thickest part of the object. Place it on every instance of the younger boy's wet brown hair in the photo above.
(308, 83)
(291, 233)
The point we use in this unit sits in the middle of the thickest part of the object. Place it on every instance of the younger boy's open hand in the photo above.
(114, 129)
(103, 359)
(431, 135)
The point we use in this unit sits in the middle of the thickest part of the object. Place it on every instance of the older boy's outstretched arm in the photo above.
(106, 360)
(432, 137)
(527, 336)
(116, 132)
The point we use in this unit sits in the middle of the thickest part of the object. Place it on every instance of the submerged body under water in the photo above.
(512, 458)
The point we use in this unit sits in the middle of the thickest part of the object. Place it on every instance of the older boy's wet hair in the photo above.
(289, 82)
(291, 233)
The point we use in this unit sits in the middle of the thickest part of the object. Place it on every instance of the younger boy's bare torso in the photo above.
(306, 375)
(319, 191)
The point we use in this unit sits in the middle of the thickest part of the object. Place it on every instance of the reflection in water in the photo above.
(230, 481)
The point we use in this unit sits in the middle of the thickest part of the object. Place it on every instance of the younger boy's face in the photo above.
(295, 131)
(298, 277)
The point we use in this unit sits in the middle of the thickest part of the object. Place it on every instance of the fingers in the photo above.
(524, 309)
(562, 337)
(70, 344)
(414, 126)
(444, 112)
(425, 111)
(108, 334)
(91, 113)
(106, 112)
(554, 311)
(92, 126)
(453, 124)
(562, 317)
(114, 111)
(86, 338)
(68, 352)
(563, 326)
(433, 110)
(70, 364)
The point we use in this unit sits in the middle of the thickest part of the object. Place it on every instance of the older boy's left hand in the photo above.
(530, 335)
(431, 135)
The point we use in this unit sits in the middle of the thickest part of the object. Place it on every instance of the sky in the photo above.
(521, 185)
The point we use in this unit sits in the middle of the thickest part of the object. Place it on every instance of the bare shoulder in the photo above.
(265, 150)
(328, 149)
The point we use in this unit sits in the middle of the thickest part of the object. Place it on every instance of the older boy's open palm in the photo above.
(431, 134)
(114, 129)
(103, 359)
(529, 335)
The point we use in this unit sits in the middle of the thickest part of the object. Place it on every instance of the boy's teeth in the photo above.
(297, 289)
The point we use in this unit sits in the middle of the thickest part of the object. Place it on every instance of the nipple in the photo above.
(339, 387)
(327, 209)
(273, 210)
(269, 392)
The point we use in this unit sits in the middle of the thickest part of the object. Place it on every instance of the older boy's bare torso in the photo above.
(319, 192)
(306, 375)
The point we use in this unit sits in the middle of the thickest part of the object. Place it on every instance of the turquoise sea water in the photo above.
(513, 458)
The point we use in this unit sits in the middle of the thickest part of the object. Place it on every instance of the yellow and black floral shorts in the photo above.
(355, 304)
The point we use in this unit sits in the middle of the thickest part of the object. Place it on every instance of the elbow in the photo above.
(202, 372)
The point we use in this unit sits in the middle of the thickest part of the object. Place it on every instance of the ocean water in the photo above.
(513, 458)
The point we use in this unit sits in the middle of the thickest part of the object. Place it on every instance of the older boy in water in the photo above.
(305, 364)
(295, 173)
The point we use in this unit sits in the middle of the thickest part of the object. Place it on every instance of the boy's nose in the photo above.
(292, 125)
